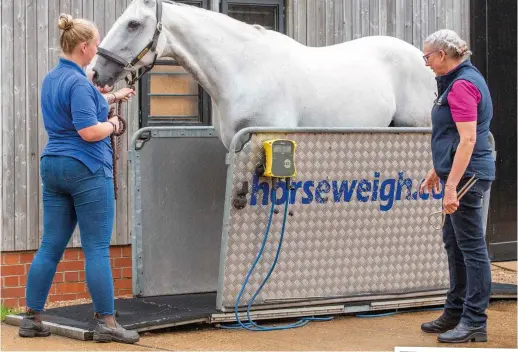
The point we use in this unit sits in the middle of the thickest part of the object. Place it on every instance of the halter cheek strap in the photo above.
(129, 66)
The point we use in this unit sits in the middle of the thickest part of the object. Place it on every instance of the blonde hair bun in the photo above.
(65, 22)
(75, 31)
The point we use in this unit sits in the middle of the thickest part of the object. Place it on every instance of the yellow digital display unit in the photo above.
(279, 158)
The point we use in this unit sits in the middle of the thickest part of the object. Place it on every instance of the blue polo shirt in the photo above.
(70, 102)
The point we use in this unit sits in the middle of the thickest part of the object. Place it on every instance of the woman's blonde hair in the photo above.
(75, 31)
(450, 42)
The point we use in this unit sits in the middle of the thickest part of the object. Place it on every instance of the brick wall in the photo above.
(69, 282)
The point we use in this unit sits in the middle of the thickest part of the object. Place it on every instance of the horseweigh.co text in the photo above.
(384, 191)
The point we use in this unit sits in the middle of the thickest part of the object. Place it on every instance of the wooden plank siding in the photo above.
(20, 118)
(8, 137)
(410, 20)
(31, 37)
(2, 133)
(29, 48)
(31, 103)
(42, 69)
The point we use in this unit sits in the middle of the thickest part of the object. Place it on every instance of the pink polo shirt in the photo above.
(463, 99)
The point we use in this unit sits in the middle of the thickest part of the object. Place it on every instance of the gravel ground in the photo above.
(503, 276)
(344, 333)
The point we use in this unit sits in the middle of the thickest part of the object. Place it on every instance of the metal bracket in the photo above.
(239, 200)
(143, 138)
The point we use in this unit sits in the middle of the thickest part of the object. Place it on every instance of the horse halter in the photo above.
(128, 66)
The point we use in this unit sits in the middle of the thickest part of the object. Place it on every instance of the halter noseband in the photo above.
(128, 66)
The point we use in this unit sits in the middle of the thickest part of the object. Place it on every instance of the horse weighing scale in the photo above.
(297, 224)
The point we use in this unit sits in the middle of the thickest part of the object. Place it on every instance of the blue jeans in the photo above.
(72, 195)
(468, 260)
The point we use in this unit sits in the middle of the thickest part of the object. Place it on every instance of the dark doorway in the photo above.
(493, 42)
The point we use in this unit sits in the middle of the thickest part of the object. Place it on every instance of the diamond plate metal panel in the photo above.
(333, 246)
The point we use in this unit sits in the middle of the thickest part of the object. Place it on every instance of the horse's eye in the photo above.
(133, 25)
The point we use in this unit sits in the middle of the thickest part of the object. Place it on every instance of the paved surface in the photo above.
(345, 333)
(506, 265)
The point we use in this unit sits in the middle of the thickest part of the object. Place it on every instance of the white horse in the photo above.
(258, 77)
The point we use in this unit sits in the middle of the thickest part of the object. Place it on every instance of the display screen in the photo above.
(281, 148)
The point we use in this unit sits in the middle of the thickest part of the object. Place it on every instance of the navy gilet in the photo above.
(445, 137)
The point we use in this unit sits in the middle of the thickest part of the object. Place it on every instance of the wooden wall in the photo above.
(29, 48)
(327, 22)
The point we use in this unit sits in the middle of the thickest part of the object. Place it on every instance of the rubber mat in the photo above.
(138, 313)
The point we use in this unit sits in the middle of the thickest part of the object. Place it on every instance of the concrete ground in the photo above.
(344, 333)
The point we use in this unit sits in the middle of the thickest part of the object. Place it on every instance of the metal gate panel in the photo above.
(178, 185)
(356, 229)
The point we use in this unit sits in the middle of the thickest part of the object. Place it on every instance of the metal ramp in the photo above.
(140, 314)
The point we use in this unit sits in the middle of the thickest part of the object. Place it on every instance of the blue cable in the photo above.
(247, 277)
(251, 325)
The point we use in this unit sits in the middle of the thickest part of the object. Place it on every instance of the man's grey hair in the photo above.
(450, 42)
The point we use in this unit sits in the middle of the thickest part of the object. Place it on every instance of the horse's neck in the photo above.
(206, 44)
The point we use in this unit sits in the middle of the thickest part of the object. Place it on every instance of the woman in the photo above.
(76, 171)
(460, 149)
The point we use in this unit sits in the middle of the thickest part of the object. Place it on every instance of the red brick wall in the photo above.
(69, 282)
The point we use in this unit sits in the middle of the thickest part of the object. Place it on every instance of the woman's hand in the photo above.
(450, 202)
(115, 120)
(124, 94)
(430, 182)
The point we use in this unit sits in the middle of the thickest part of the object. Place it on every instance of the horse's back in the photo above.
(377, 79)
(399, 63)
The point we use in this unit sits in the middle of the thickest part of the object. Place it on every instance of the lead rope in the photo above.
(116, 143)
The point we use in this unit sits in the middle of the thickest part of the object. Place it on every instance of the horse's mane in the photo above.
(258, 27)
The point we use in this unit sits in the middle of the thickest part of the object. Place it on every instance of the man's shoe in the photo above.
(104, 333)
(29, 327)
(464, 333)
(441, 324)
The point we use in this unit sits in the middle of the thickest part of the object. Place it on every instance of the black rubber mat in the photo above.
(137, 313)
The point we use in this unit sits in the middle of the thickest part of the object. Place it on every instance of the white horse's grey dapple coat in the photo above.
(258, 77)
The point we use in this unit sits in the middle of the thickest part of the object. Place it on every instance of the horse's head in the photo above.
(130, 44)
